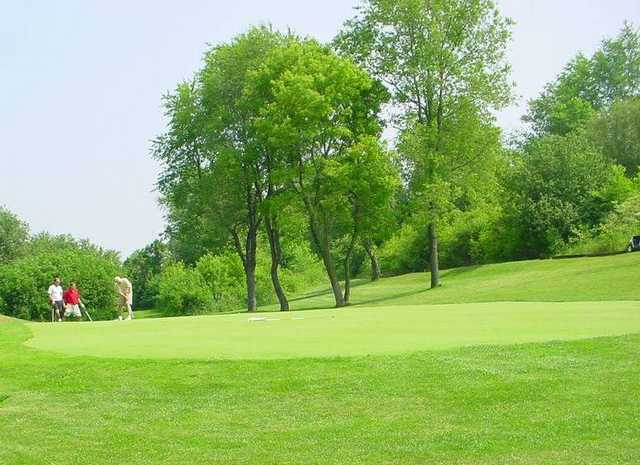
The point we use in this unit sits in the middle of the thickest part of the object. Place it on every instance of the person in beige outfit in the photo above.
(125, 297)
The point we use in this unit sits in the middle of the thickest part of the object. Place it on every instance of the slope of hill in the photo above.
(568, 280)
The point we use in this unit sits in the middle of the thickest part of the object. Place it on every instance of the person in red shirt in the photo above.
(72, 301)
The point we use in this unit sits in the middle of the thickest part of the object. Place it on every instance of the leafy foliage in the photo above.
(14, 235)
(588, 85)
(616, 132)
(552, 193)
(183, 291)
(614, 233)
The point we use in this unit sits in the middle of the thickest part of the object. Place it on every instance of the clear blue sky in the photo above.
(81, 81)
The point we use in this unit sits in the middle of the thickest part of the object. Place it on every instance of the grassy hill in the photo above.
(499, 366)
(567, 280)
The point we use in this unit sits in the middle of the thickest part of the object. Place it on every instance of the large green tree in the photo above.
(214, 182)
(314, 107)
(553, 192)
(442, 60)
(368, 181)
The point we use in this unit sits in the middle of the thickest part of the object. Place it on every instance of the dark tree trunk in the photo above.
(250, 267)
(248, 258)
(347, 279)
(320, 237)
(375, 264)
(322, 243)
(250, 272)
(333, 277)
(347, 268)
(433, 255)
(273, 234)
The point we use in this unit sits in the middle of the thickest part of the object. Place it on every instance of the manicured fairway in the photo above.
(340, 332)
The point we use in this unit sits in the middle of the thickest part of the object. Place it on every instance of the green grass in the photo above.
(389, 381)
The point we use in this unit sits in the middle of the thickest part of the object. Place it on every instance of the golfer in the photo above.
(56, 298)
(125, 293)
(72, 302)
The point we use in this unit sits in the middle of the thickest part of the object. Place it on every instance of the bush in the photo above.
(183, 291)
(24, 282)
(614, 234)
(224, 276)
(406, 252)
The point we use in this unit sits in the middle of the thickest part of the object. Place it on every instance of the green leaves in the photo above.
(617, 133)
(432, 53)
(588, 85)
(14, 235)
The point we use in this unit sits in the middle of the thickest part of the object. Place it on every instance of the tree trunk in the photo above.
(321, 240)
(375, 264)
(347, 279)
(347, 268)
(276, 257)
(433, 255)
(250, 268)
(248, 265)
(333, 277)
(325, 252)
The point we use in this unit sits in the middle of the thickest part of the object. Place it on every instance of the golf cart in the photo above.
(634, 244)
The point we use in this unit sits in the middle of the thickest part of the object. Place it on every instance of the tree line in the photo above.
(276, 128)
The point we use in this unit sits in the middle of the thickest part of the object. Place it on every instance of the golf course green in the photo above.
(520, 363)
(340, 332)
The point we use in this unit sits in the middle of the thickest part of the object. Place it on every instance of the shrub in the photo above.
(406, 251)
(224, 276)
(183, 291)
(614, 234)
(301, 269)
(24, 282)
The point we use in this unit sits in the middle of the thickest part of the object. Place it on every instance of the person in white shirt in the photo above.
(125, 293)
(55, 298)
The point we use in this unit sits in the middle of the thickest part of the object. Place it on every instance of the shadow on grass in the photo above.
(328, 291)
(391, 297)
(459, 271)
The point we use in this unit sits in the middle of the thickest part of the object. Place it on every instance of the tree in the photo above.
(14, 236)
(589, 85)
(213, 180)
(616, 132)
(552, 192)
(272, 220)
(314, 107)
(185, 182)
(438, 59)
(368, 180)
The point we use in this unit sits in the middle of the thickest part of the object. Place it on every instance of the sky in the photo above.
(81, 85)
